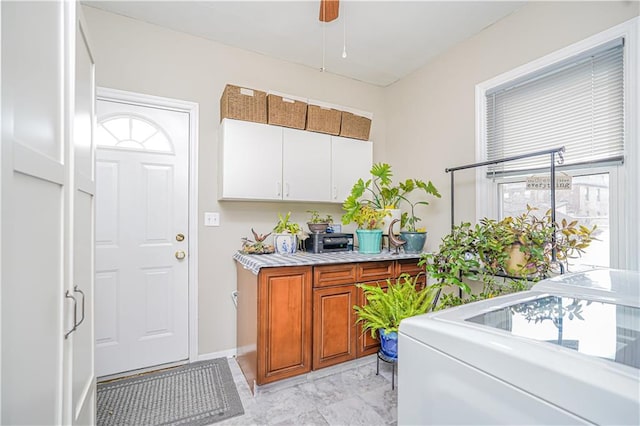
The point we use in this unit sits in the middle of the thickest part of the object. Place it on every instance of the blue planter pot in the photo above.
(415, 241)
(389, 343)
(369, 240)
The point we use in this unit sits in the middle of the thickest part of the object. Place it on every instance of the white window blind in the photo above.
(578, 104)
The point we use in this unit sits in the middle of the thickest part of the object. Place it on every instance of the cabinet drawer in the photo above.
(330, 275)
(408, 266)
(371, 271)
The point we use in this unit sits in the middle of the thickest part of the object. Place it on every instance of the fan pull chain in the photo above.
(324, 31)
(344, 33)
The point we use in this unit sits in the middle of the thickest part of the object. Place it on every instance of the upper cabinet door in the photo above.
(351, 160)
(251, 161)
(306, 166)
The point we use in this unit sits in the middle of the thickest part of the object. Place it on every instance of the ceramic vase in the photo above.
(285, 243)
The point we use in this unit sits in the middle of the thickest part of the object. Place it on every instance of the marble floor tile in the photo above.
(351, 411)
(346, 394)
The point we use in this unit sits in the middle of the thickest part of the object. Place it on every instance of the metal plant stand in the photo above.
(552, 169)
(392, 361)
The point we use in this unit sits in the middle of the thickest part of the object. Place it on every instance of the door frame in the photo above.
(192, 109)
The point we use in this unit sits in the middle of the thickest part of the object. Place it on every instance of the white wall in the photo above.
(431, 114)
(139, 57)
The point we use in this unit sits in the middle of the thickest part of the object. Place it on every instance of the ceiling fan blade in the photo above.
(329, 10)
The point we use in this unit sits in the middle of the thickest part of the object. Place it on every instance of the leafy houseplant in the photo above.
(318, 223)
(286, 235)
(415, 237)
(380, 193)
(386, 308)
(484, 252)
(369, 233)
(409, 219)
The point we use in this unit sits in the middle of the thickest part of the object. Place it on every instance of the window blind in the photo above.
(577, 104)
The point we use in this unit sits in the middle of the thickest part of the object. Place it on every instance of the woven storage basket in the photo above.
(323, 120)
(355, 126)
(288, 112)
(243, 104)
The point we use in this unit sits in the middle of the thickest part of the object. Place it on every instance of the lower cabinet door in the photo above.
(334, 331)
(284, 331)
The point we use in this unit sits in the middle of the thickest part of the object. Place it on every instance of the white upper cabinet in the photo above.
(351, 159)
(264, 162)
(306, 166)
(251, 161)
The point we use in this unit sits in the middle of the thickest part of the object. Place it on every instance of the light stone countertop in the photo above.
(254, 262)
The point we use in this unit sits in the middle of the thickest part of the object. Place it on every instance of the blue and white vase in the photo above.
(285, 243)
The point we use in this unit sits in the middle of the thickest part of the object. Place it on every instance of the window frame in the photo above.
(624, 184)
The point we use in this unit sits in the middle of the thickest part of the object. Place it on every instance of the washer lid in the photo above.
(613, 285)
(590, 327)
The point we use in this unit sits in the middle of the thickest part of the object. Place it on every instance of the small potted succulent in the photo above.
(285, 237)
(317, 223)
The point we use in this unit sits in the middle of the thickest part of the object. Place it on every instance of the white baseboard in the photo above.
(213, 355)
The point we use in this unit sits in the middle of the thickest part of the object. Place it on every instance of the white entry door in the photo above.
(141, 286)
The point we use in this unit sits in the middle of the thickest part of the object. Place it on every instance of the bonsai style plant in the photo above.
(318, 223)
(518, 250)
(285, 238)
(385, 308)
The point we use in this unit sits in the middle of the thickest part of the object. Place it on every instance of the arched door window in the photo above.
(132, 133)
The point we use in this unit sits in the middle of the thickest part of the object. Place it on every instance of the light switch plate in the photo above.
(212, 219)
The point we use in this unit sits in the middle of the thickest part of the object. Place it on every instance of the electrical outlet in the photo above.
(212, 219)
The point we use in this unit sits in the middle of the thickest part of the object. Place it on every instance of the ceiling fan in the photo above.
(329, 10)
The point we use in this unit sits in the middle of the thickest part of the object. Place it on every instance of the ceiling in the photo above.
(385, 40)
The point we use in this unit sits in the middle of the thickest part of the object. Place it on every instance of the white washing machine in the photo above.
(566, 352)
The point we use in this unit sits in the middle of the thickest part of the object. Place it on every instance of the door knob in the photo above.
(179, 237)
(180, 255)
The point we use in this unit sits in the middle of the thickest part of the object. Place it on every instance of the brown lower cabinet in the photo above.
(274, 323)
(294, 319)
(334, 325)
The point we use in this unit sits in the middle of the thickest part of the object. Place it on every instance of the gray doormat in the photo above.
(195, 394)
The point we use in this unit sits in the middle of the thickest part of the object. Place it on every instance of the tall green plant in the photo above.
(409, 220)
(386, 308)
(379, 192)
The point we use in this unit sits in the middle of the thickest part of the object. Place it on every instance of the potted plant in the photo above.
(414, 236)
(518, 249)
(369, 233)
(318, 223)
(381, 193)
(285, 238)
(385, 308)
(377, 191)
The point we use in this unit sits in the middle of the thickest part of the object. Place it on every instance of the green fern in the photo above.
(385, 308)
